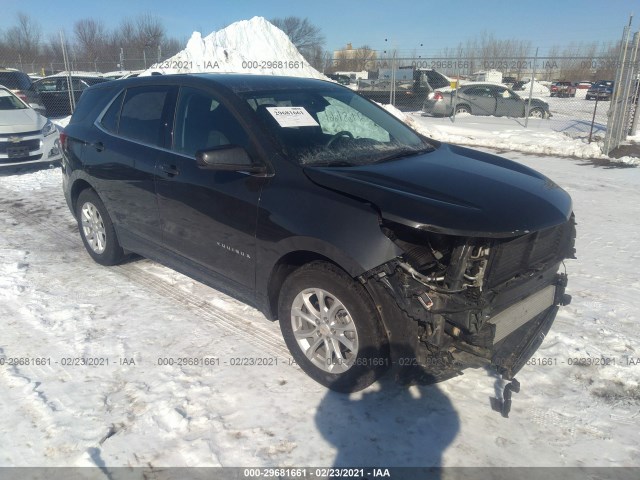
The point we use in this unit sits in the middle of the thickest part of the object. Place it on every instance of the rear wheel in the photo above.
(462, 109)
(96, 229)
(332, 328)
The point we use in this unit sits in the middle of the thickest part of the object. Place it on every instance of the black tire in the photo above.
(354, 312)
(537, 113)
(463, 109)
(96, 229)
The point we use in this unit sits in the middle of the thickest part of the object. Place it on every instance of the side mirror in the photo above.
(230, 158)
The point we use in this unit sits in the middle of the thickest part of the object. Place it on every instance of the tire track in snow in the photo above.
(229, 321)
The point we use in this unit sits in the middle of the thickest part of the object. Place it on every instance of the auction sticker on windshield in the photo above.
(292, 117)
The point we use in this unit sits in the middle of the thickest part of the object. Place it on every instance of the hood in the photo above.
(454, 190)
(20, 121)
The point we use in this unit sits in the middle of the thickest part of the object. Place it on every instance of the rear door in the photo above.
(131, 138)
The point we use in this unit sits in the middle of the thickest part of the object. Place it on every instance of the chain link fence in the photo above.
(572, 95)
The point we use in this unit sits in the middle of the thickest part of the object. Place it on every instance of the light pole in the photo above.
(392, 89)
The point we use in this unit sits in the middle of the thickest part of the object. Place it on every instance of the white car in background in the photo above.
(26, 137)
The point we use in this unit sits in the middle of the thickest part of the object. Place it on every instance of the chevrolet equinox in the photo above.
(376, 248)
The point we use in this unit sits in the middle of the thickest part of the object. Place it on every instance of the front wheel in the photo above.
(536, 113)
(96, 229)
(332, 328)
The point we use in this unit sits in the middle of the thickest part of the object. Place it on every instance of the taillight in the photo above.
(438, 96)
(63, 140)
(22, 96)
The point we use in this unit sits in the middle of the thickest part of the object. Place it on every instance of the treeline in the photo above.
(573, 61)
(136, 43)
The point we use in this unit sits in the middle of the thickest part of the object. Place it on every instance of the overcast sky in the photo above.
(423, 26)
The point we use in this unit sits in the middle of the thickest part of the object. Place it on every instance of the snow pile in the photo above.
(250, 46)
(538, 88)
(507, 134)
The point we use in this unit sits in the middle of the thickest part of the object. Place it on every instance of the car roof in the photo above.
(236, 82)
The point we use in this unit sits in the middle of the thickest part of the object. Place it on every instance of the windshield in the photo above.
(333, 127)
(9, 101)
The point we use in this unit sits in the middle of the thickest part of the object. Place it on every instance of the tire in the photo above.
(344, 362)
(537, 113)
(96, 229)
(462, 109)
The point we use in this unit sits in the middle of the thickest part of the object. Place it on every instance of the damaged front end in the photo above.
(453, 302)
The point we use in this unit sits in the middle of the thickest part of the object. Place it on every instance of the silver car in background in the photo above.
(26, 137)
(483, 99)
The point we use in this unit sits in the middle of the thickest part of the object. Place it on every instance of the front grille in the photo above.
(529, 252)
(29, 145)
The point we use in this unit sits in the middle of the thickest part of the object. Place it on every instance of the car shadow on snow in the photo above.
(389, 425)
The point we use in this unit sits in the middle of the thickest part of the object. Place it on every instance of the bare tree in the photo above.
(91, 39)
(363, 57)
(24, 37)
(305, 36)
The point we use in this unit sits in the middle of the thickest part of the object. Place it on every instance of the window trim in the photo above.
(167, 123)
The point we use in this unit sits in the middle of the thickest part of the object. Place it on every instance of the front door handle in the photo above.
(170, 170)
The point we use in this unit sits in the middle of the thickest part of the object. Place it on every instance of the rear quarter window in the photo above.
(141, 115)
(91, 104)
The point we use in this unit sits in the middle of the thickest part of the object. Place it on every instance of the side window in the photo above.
(203, 123)
(78, 84)
(142, 112)
(47, 85)
(109, 120)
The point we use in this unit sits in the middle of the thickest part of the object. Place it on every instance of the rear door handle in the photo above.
(170, 170)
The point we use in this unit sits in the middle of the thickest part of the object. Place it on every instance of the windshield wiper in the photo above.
(407, 152)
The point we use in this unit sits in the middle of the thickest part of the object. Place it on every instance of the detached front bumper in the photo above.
(434, 348)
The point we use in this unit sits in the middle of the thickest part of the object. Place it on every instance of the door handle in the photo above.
(170, 170)
(99, 146)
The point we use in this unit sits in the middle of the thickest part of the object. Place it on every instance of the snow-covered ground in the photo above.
(56, 306)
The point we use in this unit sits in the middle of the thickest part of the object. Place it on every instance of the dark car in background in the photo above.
(600, 90)
(375, 247)
(55, 92)
(20, 84)
(483, 99)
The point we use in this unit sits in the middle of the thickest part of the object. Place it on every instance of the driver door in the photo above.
(208, 216)
(508, 103)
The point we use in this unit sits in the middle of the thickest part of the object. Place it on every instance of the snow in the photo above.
(56, 303)
(249, 46)
(565, 134)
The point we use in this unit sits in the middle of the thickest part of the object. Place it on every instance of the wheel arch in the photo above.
(465, 105)
(78, 187)
(286, 265)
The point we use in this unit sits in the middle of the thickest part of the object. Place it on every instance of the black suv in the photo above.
(375, 247)
(20, 83)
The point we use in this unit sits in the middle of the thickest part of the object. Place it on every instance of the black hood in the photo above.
(454, 190)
